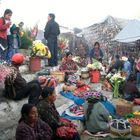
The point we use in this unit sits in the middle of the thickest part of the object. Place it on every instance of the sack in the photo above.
(9, 88)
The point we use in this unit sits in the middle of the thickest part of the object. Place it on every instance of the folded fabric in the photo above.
(66, 131)
(72, 114)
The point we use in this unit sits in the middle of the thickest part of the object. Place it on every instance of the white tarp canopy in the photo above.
(130, 33)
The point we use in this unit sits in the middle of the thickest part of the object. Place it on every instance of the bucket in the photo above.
(95, 76)
(35, 64)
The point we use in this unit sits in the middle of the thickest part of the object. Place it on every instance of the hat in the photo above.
(124, 58)
(18, 58)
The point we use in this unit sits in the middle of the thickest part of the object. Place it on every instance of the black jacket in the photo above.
(51, 30)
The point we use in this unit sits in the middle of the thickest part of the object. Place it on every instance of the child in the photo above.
(14, 42)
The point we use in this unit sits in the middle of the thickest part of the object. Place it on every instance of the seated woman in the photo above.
(96, 52)
(48, 113)
(68, 66)
(30, 127)
(96, 115)
(16, 86)
(130, 89)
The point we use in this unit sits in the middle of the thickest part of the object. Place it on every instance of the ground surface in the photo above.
(10, 111)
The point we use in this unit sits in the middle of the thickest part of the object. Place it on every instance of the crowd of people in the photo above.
(40, 119)
(10, 40)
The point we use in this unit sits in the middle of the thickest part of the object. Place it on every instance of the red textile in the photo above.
(66, 131)
(3, 29)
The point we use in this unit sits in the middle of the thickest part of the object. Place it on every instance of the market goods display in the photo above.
(137, 114)
(135, 124)
(75, 110)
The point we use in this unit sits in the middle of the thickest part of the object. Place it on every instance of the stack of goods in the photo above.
(120, 129)
(135, 124)
(75, 111)
(81, 87)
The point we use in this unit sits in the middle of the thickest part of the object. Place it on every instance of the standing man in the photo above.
(51, 32)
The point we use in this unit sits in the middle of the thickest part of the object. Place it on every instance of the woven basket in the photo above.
(58, 74)
(123, 107)
(136, 130)
(120, 133)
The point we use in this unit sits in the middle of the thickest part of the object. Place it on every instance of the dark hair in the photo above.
(68, 53)
(131, 77)
(97, 43)
(26, 108)
(47, 91)
(90, 106)
(7, 11)
(117, 56)
(52, 16)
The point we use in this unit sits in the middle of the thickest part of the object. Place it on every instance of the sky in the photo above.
(69, 13)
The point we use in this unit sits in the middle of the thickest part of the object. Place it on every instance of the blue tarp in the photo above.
(69, 95)
(80, 101)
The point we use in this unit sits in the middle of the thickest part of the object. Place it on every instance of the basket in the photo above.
(95, 76)
(120, 133)
(136, 130)
(123, 107)
(84, 74)
(58, 74)
(137, 116)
